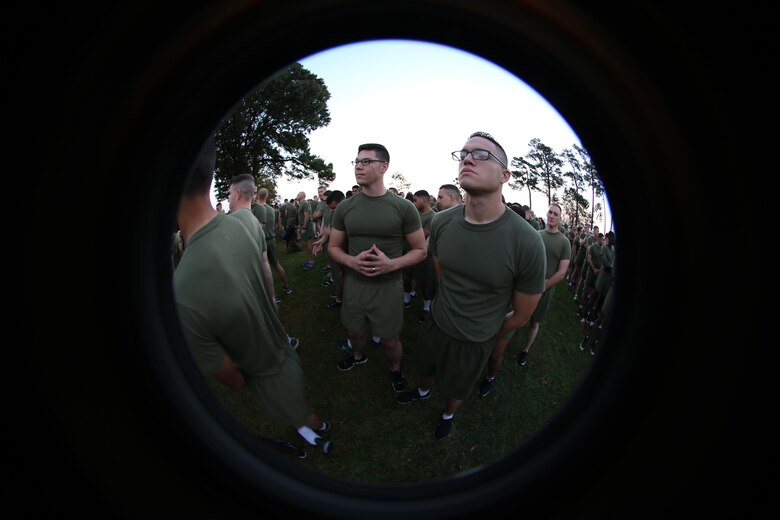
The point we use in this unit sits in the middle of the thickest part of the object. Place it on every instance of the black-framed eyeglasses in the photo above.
(365, 162)
(478, 154)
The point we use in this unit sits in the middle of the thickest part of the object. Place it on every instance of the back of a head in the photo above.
(201, 173)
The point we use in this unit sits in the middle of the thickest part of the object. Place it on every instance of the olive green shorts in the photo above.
(455, 364)
(542, 306)
(283, 395)
(373, 306)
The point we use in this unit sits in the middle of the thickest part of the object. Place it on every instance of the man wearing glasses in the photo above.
(487, 260)
(367, 237)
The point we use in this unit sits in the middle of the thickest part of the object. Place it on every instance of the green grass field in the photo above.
(378, 441)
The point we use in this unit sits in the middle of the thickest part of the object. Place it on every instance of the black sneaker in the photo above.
(424, 314)
(412, 396)
(325, 269)
(522, 359)
(484, 388)
(583, 343)
(326, 282)
(324, 428)
(399, 381)
(277, 299)
(323, 444)
(287, 290)
(294, 342)
(288, 448)
(348, 363)
(335, 303)
(407, 304)
(443, 429)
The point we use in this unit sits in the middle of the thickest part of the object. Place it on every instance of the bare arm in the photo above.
(229, 375)
(563, 266)
(269, 277)
(523, 306)
(324, 236)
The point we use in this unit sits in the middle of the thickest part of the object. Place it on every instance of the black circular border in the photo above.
(141, 86)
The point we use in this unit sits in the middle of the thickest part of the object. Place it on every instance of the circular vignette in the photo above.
(167, 79)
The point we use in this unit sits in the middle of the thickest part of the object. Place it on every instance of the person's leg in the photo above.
(394, 350)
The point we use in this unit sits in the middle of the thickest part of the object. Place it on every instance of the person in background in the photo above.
(333, 199)
(449, 196)
(305, 228)
(558, 250)
(270, 239)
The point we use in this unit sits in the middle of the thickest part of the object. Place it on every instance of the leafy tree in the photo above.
(400, 182)
(266, 135)
(546, 165)
(524, 177)
(576, 176)
(574, 204)
(591, 178)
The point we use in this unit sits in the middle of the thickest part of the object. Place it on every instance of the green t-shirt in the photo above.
(252, 225)
(292, 213)
(322, 208)
(384, 221)
(595, 251)
(305, 207)
(270, 222)
(482, 266)
(220, 297)
(259, 212)
(557, 247)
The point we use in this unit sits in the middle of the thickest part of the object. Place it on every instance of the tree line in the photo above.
(266, 135)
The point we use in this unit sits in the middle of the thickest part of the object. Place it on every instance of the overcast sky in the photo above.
(422, 101)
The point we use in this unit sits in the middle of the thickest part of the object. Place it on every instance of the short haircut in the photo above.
(422, 193)
(381, 151)
(201, 173)
(245, 184)
(453, 190)
(262, 193)
(485, 135)
(335, 196)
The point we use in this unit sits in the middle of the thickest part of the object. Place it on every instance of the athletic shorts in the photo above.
(542, 306)
(271, 251)
(376, 307)
(282, 395)
(455, 364)
(308, 232)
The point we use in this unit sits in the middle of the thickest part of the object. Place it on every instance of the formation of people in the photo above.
(484, 269)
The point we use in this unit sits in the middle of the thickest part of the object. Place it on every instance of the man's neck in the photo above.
(194, 213)
(484, 208)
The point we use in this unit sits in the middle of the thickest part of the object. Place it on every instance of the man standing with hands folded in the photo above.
(367, 237)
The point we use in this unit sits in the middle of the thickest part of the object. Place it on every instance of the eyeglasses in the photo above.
(365, 162)
(477, 154)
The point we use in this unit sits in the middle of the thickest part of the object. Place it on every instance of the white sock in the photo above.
(407, 297)
(447, 417)
(308, 434)
(376, 339)
(413, 293)
(423, 392)
(349, 342)
(426, 305)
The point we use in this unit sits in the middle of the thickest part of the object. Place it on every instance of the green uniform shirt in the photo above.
(482, 266)
(384, 221)
(557, 248)
(220, 297)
